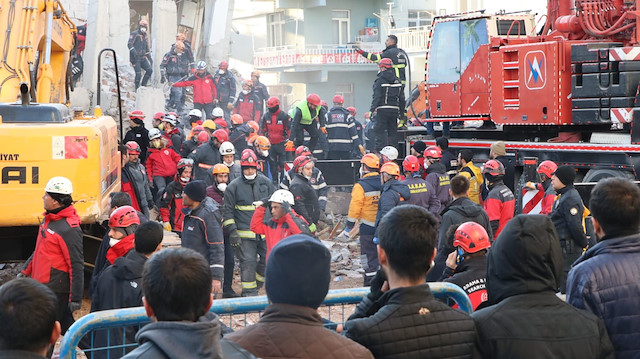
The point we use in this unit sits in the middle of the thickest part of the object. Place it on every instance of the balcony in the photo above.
(313, 56)
(413, 39)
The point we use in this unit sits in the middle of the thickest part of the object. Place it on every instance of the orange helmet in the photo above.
(220, 135)
(220, 168)
(313, 99)
(254, 126)
(547, 168)
(390, 168)
(236, 119)
(411, 164)
(180, 37)
(303, 151)
(144, 23)
(433, 152)
(494, 168)
(123, 217)
(370, 160)
(472, 237)
(262, 143)
(248, 158)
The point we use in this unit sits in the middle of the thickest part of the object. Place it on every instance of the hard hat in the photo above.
(494, 168)
(547, 168)
(390, 152)
(60, 185)
(323, 103)
(252, 136)
(171, 119)
(217, 112)
(472, 237)
(185, 162)
(385, 63)
(137, 114)
(411, 164)
(247, 83)
(367, 115)
(123, 217)
(301, 161)
(313, 99)
(248, 159)
(158, 115)
(154, 133)
(203, 137)
(255, 73)
(236, 119)
(262, 143)
(352, 110)
(273, 102)
(390, 168)
(173, 114)
(209, 124)
(196, 113)
(223, 65)
(144, 23)
(281, 196)
(220, 135)
(220, 168)
(338, 99)
(133, 148)
(303, 151)
(196, 130)
(180, 36)
(220, 123)
(253, 125)
(179, 45)
(370, 160)
(433, 152)
(227, 148)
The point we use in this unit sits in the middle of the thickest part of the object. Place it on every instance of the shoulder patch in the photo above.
(573, 211)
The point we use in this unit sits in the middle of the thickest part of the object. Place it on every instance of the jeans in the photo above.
(175, 95)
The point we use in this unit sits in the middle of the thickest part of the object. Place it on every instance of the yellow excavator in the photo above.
(45, 139)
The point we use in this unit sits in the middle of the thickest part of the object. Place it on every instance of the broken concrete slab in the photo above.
(163, 31)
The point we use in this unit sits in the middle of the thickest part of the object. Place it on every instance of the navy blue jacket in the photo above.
(202, 232)
(606, 282)
(393, 194)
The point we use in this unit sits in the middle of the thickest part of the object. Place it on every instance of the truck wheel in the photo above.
(595, 175)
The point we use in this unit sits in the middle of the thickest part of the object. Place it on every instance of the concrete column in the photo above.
(163, 31)
(217, 23)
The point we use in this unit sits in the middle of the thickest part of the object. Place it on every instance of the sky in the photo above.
(539, 6)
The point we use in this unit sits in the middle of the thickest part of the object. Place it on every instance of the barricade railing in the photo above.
(120, 319)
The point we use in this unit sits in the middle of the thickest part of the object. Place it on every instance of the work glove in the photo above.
(229, 106)
(74, 306)
(234, 239)
(323, 129)
(166, 226)
(530, 186)
(289, 146)
(358, 50)
(361, 148)
(258, 203)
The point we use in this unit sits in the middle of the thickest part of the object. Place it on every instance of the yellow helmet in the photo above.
(209, 124)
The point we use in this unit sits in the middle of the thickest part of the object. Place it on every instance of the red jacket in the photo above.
(162, 162)
(247, 107)
(500, 206)
(58, 260)
(275, 229)
(275, 126)
(204, 90)
(121, 248)
(171, 205)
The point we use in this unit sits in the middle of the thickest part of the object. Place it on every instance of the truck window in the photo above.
(444, 54)
(473, 33)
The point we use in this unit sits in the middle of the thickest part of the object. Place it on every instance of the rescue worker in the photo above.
(388, 154)
(281, 222)
(161, 164)
(449, 158)
(226, 87)
(260, 90)
(499, 152)
(435, 173)
(172, 132)
(500, 203)
(467, 265)
(207, 155)
(139, 53)
(203, 137)
(472, 173)
(369, 132)
(227, 153)
(191, 144)
(202, 229)
(275, 126)
(174, 67)
(417, 149)
(138, 133)
(188, 51)
(266, 165)
(306, 201)
(195, 119)
(386, 93)
(241, 132)
(171, 201)
(217, 116)
(238, 210)
(157, 120)
(317, 180)
(247, 104)
(545, 170)
(364, 207)
(422, 192)
(393, 193)
(135, 181)
(123, 223)
(341, 132)
(359, 125)
(209, 126)
(568, 217)
(58, 259)
(204, 90)
(307, 115)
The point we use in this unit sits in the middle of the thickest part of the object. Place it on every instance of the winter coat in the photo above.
(395, 54)
(141, 136)
(120, 248)
(567, 217)
(471, 276)
(204, 90)
(238, 203)
(226, 87)
(247, 107)
(275, 126)
(549, 196)
(386, 91)
(317, 182)
(202, 232)
(162, 162)
(291, 331)
(171, 205)
(457, 212)
(275, 230)
(393, 193)
(436, 175)
(500, 206)
(174, 65)
(138, 45)
(204, 158)
(306, 201)
(58, 259)
(261, 92)
(365, 196)
(509, 172)
(394, 325)
(476, 181)
(136, 183)
(449, 160)
(606, 282)
(341, 130)
(423, 195)
(188, 146)
(525, 318)
(175, 139)
(238, 137)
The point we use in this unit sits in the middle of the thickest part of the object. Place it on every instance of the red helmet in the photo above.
(338, 99)
(411, 164)
(303, 151)
(197, 129)
(236, 119)
(123, 217)
(203, 137)
(273, 102)
(223, 65)
(247, 83)
(185, 162)
(158, 115)
(220, 122)
(433, 152)
(367, 115)
(323, 103)
(254, 126)
(472, 237)
(133, 148)
(220, 135)
(547, 168)
(352, 110)
(494, 168)
(370, 160)
(390, 168)
(385, 63)
(248, 158)
(137, 114)
(313, 99)
(300, 162)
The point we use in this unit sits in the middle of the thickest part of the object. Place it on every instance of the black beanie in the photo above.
(419, 146)
(298, 272)
(196, 190)
(566, 175)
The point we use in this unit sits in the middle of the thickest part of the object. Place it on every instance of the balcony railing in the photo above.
(412, 39)
(291, 55)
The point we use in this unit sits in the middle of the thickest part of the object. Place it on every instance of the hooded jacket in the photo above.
(606, 282)
(162, 162)
(204, 90)
(525, 318)
(436, 175)
(393, 193)
(202, 232)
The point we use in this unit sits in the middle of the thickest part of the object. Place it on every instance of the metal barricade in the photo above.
(119, 319)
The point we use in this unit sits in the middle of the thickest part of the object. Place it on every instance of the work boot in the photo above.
(250, 293)
(229, 293)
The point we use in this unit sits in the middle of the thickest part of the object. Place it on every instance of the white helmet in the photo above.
(170, 119)
(226, 148)
(154, 133)
(201, 65)
(195, 112)
(217, 112)
(60, 185)
(390, 152)
(281, 196)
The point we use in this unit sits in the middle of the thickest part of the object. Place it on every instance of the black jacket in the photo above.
(204, 158)
(386, 91)
(526, 319)
(202, 232)
(238, 206)
(317, 182)
(471, 276)
(141, 136)
(567, 216)
(341, 130)
(226, 88)
(393, 193)
(306, 200)
(395, 54)
(394, 325)
(138, 45)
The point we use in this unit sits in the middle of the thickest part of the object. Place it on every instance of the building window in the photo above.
(419, 18)
(341, 27)
(275, 24)
(346, 90)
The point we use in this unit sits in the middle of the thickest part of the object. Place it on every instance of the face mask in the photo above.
(155, 144)
(185, 179)
(250, 177)
(161, 127)
(245, 92)
(143, 29)
(264, 153)
(179, 54)
(360, 172)
(113, 241)
(221, 72)
(228, 164)
(222, 186)
(274, 109)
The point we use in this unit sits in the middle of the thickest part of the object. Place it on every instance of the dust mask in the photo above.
(113, 241)
(250, 177)
(246, 92)
(221, 72)
(185, 179)
(143, 29)
(264, 153)
(222, 187)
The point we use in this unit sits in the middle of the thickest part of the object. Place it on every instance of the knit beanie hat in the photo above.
(566, 175)
(419, 146)
(298, 272)
(498, 148)
(196, 190)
